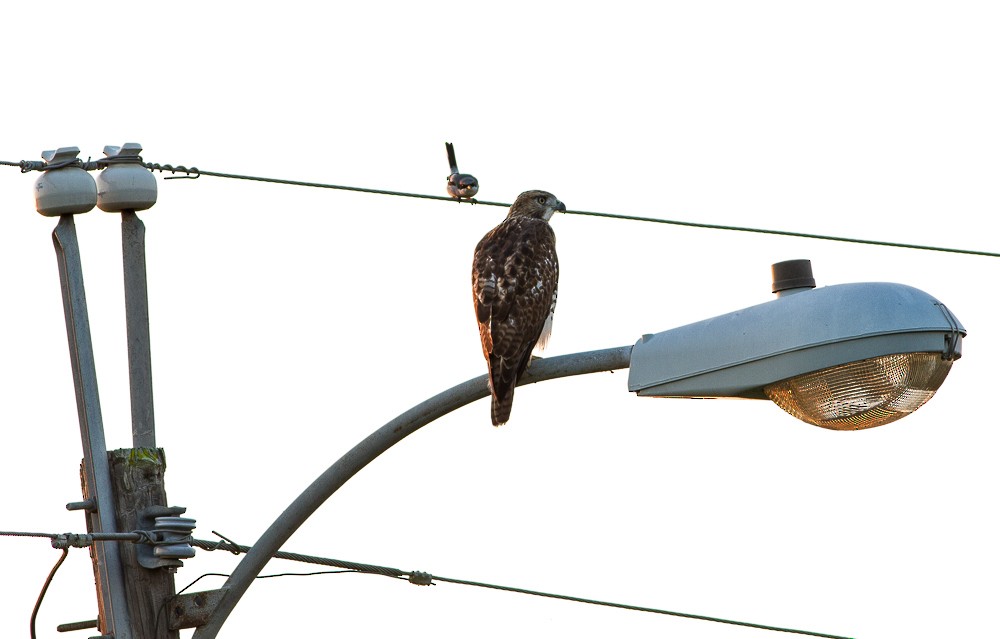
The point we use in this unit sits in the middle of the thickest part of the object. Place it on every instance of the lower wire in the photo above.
(45, 587)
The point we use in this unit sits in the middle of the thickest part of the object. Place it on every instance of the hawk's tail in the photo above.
(500, 408)
(503, 380)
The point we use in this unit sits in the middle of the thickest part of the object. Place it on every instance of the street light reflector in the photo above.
(862, 394)
(845, 357)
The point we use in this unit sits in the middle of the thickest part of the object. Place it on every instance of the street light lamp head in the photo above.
(843, 357)
(863, 394)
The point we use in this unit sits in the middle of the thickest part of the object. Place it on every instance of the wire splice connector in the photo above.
(419, 578)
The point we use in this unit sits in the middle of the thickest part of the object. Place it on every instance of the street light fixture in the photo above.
(843, 357)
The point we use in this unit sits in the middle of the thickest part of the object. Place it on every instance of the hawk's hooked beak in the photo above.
(551, 210)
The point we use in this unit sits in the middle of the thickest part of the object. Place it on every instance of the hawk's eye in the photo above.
(540, 199)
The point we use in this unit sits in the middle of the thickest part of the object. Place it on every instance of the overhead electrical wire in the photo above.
(415, 577)
(45, 588)
(426, 579)
(745, 624)
(194, 173)
(618, 216)
(163, 606)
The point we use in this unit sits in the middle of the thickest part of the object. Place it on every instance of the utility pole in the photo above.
(140, 498)
(123, 490)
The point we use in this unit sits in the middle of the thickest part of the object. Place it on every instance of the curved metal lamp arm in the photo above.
(374, 445)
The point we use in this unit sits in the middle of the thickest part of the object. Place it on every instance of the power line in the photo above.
(163, 606)
(423, 578)
(194, 173)
(618, 216)
(279, 574)
(543, 594)
(811, 236)
(238, 549)
(45, 588)
(415, 577)
(637, 608)
(9, 533)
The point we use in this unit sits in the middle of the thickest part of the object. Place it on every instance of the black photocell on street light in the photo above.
(844, 357)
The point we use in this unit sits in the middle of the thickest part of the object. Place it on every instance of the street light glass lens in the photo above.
(862, 394)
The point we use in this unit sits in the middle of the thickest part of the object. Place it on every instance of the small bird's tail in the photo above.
(452, 162)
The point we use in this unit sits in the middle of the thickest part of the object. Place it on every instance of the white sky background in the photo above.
(289, 323)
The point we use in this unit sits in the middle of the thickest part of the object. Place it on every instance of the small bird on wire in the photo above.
(515, 277)
(460, 185)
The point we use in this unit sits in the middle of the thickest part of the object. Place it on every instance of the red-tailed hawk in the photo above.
(515, 274)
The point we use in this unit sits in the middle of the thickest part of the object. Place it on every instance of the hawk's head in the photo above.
(537, 204)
